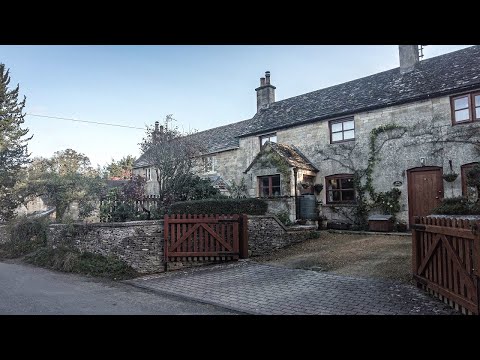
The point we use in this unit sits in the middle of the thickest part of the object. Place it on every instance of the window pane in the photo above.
(461, 103)
(348, 195)
(330, 196)
(348, 125)
(477, 113)
(347, 183)
(264, 192)
(276, 180)
(337, 136)
(264, 140)
(273, 138)
(276, 190)
(332, 184)
(477, 100)
(350, 134)
(264, 182)
(336, 196)
(462, 115)
(337, 127)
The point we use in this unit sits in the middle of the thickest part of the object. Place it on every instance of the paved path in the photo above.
(264, 289)
(26, 289)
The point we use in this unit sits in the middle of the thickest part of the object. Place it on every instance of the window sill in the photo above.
(340, 205)
(466, 122)
(341, 141)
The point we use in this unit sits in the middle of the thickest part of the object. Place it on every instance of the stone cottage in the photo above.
(408, 128)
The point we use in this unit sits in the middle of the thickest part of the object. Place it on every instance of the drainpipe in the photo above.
(295, 191)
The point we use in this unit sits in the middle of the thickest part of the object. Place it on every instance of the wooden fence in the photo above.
(446, 260)
(150, 202)
(205, 237)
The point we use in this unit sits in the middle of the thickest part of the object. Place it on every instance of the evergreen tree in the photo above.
(13, 146)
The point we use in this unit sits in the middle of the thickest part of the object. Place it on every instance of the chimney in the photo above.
(156, 133)
(265, 93)
(409, 57)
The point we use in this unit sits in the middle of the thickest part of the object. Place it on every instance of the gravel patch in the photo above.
(364, 255)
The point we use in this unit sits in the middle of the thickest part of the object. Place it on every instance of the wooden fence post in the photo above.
(243, 250)
(165, 240)
(476, 259)
(415, 255)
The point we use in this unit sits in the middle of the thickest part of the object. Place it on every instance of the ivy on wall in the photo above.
(273, 160)
(367, 198)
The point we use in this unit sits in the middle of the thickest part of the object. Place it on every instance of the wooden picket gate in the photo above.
(446, 260)
(205, 237)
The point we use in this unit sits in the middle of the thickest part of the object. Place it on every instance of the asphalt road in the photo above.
(25, 289)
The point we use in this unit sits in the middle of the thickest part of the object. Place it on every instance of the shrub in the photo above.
(312, 235)
(457, 206)
(26, 234)
(220, 206)
(284, 218)
(71, 260)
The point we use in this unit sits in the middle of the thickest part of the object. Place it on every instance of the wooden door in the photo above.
(425, 191)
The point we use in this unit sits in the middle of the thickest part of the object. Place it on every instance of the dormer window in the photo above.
(269, 137)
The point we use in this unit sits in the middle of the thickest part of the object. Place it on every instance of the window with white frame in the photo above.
(148, 174)
(269, 137)
(208, 164)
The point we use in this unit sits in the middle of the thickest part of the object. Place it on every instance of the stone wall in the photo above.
(138, 243)
(4, 235)
(267, 234)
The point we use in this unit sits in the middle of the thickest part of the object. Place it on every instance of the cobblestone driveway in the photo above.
(271, 290)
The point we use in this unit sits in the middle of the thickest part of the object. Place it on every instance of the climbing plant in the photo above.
(367, 198)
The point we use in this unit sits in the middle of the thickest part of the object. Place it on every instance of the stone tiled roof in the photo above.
(440, 75)
(437, 76)
(290, 153)
(214, 140)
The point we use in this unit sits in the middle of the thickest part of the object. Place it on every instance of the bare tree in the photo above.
(173, 154)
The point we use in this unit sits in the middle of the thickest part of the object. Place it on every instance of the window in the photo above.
(148, 174)
(342, 130)
(340, 189)
(465, 108)
(269, 137)
(468, 191)
(269, 186)
(208, 164)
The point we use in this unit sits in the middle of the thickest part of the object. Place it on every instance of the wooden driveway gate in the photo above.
(205, 237)
(446, 259)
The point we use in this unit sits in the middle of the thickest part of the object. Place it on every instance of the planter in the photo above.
(450, 177)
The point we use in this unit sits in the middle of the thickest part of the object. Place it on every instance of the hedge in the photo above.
(220, 206)
(457, 206)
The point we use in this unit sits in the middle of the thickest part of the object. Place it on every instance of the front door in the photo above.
(425, 190)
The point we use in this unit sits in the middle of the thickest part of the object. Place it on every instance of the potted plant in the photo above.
(450, 177)
(318, 188)
(322, 222)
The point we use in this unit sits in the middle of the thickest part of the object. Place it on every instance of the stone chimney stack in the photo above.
(156, 133)
(409, 57)
(265, 93)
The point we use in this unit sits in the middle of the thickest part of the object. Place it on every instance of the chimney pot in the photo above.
(267, 77)
(156, 125)
(262, 81)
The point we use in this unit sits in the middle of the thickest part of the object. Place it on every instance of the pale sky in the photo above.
(202, 86)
